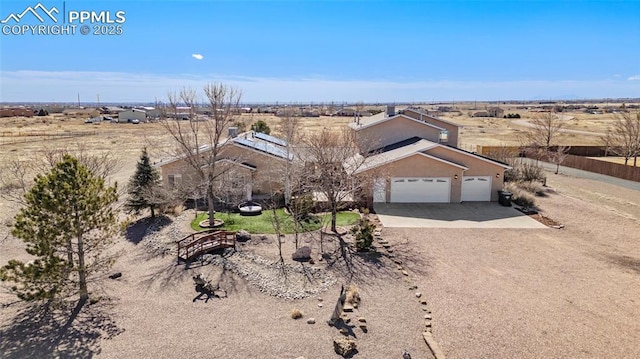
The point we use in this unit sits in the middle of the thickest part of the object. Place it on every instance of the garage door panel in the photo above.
(476, 188)
(420, 189)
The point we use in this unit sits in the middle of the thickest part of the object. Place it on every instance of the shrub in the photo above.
(520, 196)
(352, 297)
(529, 172)
(296, 314)
(532, 187)
(363, 233)
(175, 210)
(301, 206)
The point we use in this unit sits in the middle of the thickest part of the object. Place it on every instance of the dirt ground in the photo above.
(569, 293)
(493, 293)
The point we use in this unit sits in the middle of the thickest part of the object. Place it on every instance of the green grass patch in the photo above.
(263, 224)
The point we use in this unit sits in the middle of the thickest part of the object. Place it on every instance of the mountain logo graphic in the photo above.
(34, 11)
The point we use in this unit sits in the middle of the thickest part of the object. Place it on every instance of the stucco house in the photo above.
(416, 159)
(248, 165)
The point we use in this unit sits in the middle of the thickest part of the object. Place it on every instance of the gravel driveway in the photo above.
(504, 293)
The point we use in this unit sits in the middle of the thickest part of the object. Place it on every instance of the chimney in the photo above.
(391, 110)
(233, 132)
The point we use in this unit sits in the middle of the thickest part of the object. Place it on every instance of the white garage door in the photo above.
(420, 189)
(476, 188)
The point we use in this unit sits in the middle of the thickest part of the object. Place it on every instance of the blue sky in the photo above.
(298, 51)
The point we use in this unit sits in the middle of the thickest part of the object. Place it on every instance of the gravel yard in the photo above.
(570, 293)
(494, 293)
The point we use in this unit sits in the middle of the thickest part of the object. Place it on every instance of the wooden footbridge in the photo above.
(204, 242)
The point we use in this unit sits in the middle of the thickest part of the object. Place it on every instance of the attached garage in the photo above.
(476, 188)
(420, 189)
(380, 190)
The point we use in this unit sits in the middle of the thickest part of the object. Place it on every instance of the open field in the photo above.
(493, 293)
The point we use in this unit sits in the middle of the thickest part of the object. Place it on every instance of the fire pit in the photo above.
(250, 209)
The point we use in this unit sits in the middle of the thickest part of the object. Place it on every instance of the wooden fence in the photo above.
(590, 151)
(576, 161)
(603, 167)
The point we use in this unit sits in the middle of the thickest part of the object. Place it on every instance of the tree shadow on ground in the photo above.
(412, 260)
(358, 266)
(165, 277)
(340, 324)
(39, 331)
(136, 230)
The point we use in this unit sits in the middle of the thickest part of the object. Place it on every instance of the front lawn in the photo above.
(263, 223)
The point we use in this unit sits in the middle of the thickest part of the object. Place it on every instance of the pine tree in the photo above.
(67, 223)
(144, 187)
(261, 126)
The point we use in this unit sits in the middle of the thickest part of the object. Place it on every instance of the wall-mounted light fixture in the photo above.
(497, 175)
(455, 176)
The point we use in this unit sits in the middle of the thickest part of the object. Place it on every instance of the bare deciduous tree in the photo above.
(557, 155)
(199, 142)
(335, 158)
(289, 129)
(16, 176)
(545, 131)
(624, 138)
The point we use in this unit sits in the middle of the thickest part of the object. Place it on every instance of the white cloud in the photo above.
(634, 78)
(197, 56)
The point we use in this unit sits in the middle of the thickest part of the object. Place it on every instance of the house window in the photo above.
(174, 181)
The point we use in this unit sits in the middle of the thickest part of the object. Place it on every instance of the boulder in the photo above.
(344, 347)
(303, 254)
(243, 235)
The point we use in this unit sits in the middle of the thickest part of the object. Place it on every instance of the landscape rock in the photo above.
(362, 320)
(320, 305)
(311, 321)
(344, 331)
(405, 272)
(418, 294)
(243, 236)
(344, 347)
(347, 308)
(303, 254)
(115, 275)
